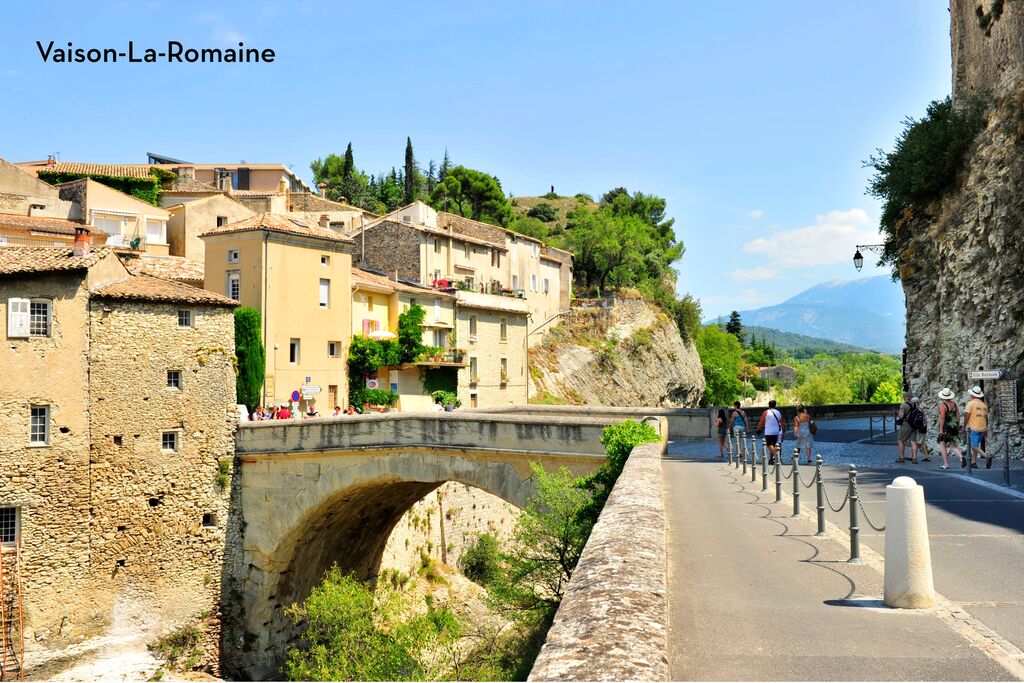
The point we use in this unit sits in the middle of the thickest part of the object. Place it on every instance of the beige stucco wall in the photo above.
(362, 300)
(489, 349)
(290, 307)
(193, 218)
(97, 198)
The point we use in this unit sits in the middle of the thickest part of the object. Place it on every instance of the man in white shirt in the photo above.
(774, 428)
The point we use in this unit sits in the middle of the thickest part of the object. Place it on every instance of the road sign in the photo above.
(310, 389)
(295, 396)
(984, 374)
(308, 380)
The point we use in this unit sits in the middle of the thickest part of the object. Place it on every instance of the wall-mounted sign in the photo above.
(373, 383)
(295, 396)
(1006, 400)
(984, 374)
(310, 389)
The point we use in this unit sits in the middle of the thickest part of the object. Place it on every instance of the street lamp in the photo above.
(858, 258)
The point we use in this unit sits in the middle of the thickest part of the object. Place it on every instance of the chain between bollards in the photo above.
(854, 525)
(821, 496)
(796, 482)
(777, 466)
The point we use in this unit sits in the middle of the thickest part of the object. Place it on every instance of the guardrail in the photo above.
(852, 497)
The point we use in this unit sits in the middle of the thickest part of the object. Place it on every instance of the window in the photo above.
(473, 375)
(536, 250)
(174, 379)
(437, 309)
(437, 245)
(234, 284)
(28, 317)
(467, 249)
(156, 231)
(440, 338)
(233, 255)
(9, 525)
(504, 370)
(334, 349)
(369, 303)
(209, 520)
(547, 285)
(169, 441)
(222, 220)
(503, 328)
(437, 275)
(293, 351)
(184, 317)
(472, 401)
(515, 282)
(39, 426)
(325, 293)
(111, 226)
(325, 260)
(370, 326)
(472, 324)
(533, 283)
(495, 258)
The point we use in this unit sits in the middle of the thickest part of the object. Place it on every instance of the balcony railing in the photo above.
(134, 242)
(453, 283)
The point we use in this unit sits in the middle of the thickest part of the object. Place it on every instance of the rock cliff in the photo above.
(626, 354)
(963, 265)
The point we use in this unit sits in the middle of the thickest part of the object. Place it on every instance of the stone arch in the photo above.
(342, 508)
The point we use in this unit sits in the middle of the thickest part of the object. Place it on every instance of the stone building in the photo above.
(495, 333)
(779, 373)
(298, 275)
(118, 408)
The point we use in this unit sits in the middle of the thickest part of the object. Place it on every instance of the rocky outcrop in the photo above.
(961, 270)
(626, 354)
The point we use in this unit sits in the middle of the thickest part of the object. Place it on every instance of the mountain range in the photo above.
(868, 312)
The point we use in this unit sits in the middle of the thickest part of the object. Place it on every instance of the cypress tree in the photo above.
(446, 164)
(349, 165)
(410, 172)
(251, 357)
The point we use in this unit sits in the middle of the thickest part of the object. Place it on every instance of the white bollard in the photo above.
(908, 558)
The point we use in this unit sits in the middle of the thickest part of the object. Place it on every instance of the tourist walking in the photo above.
(803, 430)
(949, 428)
(738, 427)
(906, 432)
(774, 428)
(723, 431)
(976, 419)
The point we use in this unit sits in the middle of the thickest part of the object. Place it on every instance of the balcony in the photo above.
(134, 242)
(454, 283)
(449, 358)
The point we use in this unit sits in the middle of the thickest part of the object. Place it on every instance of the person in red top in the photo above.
(284, 413)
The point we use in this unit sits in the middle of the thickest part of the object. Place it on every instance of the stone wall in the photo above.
(159, 517)
(629, 354)
(988, 55)
(612, 624)
(387, 247)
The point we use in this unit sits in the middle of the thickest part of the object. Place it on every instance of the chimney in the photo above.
(323, 189)
(51, 160)
(223, 181)
(325, 221)
(83, 243)
(187, 173)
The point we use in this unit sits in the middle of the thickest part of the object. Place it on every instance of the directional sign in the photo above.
(310, 389)
(984, 374)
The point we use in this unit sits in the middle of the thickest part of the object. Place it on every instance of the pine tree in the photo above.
(349, 165)
(446, 164)
(735, 326)
(431, 177)
(410, 173)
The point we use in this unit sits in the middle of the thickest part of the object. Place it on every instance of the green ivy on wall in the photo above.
(144, 189)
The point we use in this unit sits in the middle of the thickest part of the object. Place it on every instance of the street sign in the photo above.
(372, 383)
(1006, 398)
(295, 396)
(309, 379)
(984, 374)
(310, 389)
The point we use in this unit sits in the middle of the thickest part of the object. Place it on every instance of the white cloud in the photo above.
(758, 273)
(832, 239)
(756, 213)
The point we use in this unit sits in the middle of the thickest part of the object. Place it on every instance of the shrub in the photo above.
(410, 332)
(481, 562)
(543, 211)
(251, 357)
(446, 398)
(618, 440)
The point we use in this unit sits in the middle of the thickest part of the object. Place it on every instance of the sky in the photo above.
(752, 119)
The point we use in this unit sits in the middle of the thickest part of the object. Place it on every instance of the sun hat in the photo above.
(946, 394)
(976, 392)
(915, 400)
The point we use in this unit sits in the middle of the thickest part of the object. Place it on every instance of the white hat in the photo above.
(915, 400)
(946, 394)
(976, 392)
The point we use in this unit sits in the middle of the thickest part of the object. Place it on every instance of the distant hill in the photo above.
(868, 313)
(798, 345)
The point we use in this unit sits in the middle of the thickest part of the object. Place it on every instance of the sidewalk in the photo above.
(754, 595)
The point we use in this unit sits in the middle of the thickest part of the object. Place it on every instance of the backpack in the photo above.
(952, 419)
(917, 420)
(812, 427)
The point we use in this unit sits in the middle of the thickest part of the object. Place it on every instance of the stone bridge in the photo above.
(315, 493)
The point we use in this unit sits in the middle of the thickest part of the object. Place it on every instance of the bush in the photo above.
(618, 440)
(759, 383)
(410, 332)
(375, 397)
(544, 212)
(923, 167)
(446, 398)
(251, 357)
(481, 563)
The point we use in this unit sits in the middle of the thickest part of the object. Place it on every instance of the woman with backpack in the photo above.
(804, 429)
(722, 423)
(949, 428)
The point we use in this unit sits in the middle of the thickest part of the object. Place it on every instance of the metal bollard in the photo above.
(854, 524)
(729, 450)
(1006, 459)
(778, 479)
(736, 461)
(753, 465)
(764, 470)
(744, 457)
(752, 446)
(796, 485)
(821, 497)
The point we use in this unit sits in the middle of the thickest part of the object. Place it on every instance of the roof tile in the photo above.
(24, 260)
(148, 288)
(277, 223)
(60, 226)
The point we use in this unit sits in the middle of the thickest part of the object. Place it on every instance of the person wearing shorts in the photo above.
(949, 428)
(738, 425)
(906, 432)
(723, 431)
(976, 418)
(774, 427)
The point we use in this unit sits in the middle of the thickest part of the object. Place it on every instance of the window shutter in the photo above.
(366, 327)
(17, 317)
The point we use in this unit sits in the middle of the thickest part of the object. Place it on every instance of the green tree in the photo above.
(472, 194)
(720, 357)
(826, 388)
(529, 226)
(481, 563)
(618, 441)
(344, 181)
(735, 326)
(411, 174)
(888, 391)
(352, 634)
(544, 212)
(251, 356)
(410, 332)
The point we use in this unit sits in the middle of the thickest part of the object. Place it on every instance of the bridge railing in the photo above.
(612, 606)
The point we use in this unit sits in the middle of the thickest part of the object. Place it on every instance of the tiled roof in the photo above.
(492, 302)
(60, 226)
(307, 201)
(125, 170)
(167, 267)
(276, 223)
(370, 279)
(257, 193)
(147, 288)
(23, 260)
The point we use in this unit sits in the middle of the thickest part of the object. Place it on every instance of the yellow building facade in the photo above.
(299, 277)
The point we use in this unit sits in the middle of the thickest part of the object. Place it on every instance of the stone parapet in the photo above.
(683, 423)
(613, 621)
